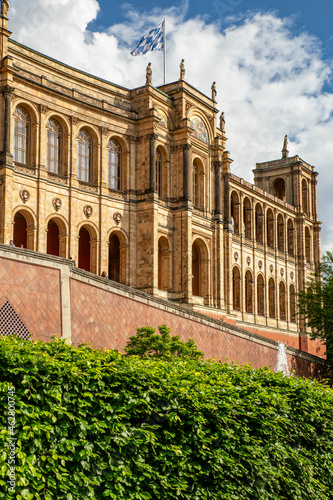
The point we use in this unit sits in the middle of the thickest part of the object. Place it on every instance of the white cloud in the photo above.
(270, 81)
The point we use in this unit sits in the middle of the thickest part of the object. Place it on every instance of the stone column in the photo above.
(186, 171)
(218, 170)
(7, 92)
(152, 162)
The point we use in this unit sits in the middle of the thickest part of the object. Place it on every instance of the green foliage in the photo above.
(148, 343)
(316, 304)
(96, 424)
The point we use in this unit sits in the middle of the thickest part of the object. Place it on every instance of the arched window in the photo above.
(114, 258)
(20, 231)
(282, 300)
(261, 295)
(248, 292)
(290, 236)
(307, 244)
(52, 244)
(159, 173)
(247, 216)
(234, 212)
(84, 249)
(259, 224)
(279, 189)
(85, 156)
(280, 232)
(163, 264)
(236, 289)
(271, 297)
(292, 301)
(54, 136)
(270, 228)
(305, 197)
(114, 165)
(21, 135)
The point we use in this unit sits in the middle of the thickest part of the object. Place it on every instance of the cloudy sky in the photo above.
(271, 59)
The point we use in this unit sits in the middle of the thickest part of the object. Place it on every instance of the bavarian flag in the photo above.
(154, 40)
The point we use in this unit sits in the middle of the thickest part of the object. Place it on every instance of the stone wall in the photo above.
(50, 295)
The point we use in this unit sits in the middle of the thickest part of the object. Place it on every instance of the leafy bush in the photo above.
(148, 343)
(93, 424)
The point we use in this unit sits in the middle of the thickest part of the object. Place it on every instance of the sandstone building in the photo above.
(138, 183)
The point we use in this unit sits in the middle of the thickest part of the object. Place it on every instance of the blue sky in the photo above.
(272, 62)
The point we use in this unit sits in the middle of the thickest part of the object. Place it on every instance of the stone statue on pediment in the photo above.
(149, 74)
(182, 70)
(222, 122)
(214, 91)
(4, 7)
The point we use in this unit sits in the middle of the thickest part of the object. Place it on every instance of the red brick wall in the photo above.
(34, 293)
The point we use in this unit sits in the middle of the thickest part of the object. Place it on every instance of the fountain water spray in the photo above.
(282, 362)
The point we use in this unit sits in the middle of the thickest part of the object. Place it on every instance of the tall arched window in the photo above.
(159, 173)
(259, 224)
(260, 295)
(54, 135)
(164, 264)
(234, 212)
(114, 164)
(279, 189)
(307, 244)
(280, 232)
(271, 298)
(292, 301)
(270, 228)
(85, 156)
(195, 184)
(21, 135)
(247, 218)
(236, 288)
(248, 292)
(290, 236)
(282, 300)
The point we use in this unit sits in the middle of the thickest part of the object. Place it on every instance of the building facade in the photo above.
(138, 184)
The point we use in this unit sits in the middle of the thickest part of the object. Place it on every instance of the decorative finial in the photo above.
(222, 122)
(149, 73)
(214, 92)
(285, 151)
(182, 70)
(4, 8)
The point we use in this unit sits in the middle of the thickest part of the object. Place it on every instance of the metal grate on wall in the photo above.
(11, 323)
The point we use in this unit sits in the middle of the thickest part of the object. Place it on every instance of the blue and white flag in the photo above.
(154, 40)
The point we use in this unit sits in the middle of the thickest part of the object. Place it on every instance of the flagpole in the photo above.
(164, 50)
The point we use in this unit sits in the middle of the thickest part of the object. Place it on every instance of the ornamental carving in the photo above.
(117, 218)
(24, 195)
(282, 271)
(75, 120)
(248, 260)
(292, 275)
(260, 264)
(56, 202)
(236, 256)
(43, 109)
(87, 210)
(105, 131)
(271, 268)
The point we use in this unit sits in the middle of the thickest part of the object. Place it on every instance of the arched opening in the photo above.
(259, 224)
(236, 288)
(159, 173)
(248, 292)
(234, 209)
(199, 271)
(84, 249)
(307, 245)
(279, 189)
(163, 264)
(305, 197)
(20, 230)
(114, 258)
(282, 300)
(260, 295)
(114, 164)
(290, 237)
(22, 129)
(247, 216)
(270, 228)
(53, 243)
(292, 302)
(280, 231)
(271, 297)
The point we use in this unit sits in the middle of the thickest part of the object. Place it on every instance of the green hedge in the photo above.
(94, 424)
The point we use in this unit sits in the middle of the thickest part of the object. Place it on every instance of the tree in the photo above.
(148, 343)
(315, 303)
